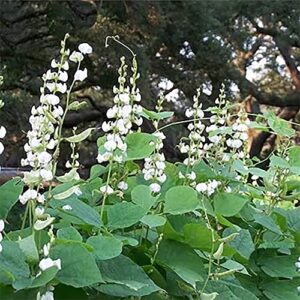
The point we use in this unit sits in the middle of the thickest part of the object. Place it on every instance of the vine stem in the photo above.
(25, 216)
(210, 262)
(106, 186)
(116, 38)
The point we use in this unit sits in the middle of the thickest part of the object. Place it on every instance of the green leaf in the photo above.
(9, 195)
(279, 266)
(105, 247)
(199, 236)
(44, 278)
(69, 233)
(229, 290)
(294, 156)
(124, 214)
(152, 115)
(125, 278)
(182, 260)
(141, 195)
(153, 221)
(97, 170)
(229, 204)
(80, 137)
(79, 268)
(76, 105)
(78, 209)
(29, 248)
(180, 200)
(239, 166)
(293, 219)
(279, 162)
(66, 194)
(258, 126)
(278, 125)
(242, 243)
(203, 171)
(281, 289)
(267, 222)
(139, 145)
(258, 172)
(13, 264)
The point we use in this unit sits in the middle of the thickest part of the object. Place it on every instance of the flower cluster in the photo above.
(2, 128)
(240, 134)
(215, 144)
(194, 148)
(2, 135)
(154, 166)
(123, 115)
(46, 121)
(207, 188)
(47, 263)
(2, 225)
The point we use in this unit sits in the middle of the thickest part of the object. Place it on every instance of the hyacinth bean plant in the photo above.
(212, 226)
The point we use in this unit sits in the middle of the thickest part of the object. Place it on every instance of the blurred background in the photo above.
(253, 47)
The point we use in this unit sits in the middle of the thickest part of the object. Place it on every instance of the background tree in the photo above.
(251, 46)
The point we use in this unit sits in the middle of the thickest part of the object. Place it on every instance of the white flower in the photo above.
(28, 195)
(46, 174)
(1, 248)
(76, 56)
(48, 296)
(234, 143)
(189, 113)
(44, 157)
(2, 132)
(155, 187)
(201, 187)
(122, 185)
(47, 263)
(40, 198)
(110, 145)
(124, 98)
(1, 237)
(65, 65)
(112, 112)
(39, 211)
(1, 225)
(106, 126)
(61, 87)
(46, 249)
(191, 176)
(1, 148)
(106, 189)
(63, 76)
(81, 74)
(85, 48)
(54, 64)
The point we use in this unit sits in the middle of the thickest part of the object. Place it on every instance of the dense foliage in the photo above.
(213, 226)
(251, 46)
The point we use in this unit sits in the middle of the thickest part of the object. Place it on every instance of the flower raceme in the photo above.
(123, 115)
(2, 135)
(42, 148)
(46, 120)
(154, 166)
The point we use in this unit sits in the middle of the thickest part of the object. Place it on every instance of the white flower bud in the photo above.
(85, 48)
